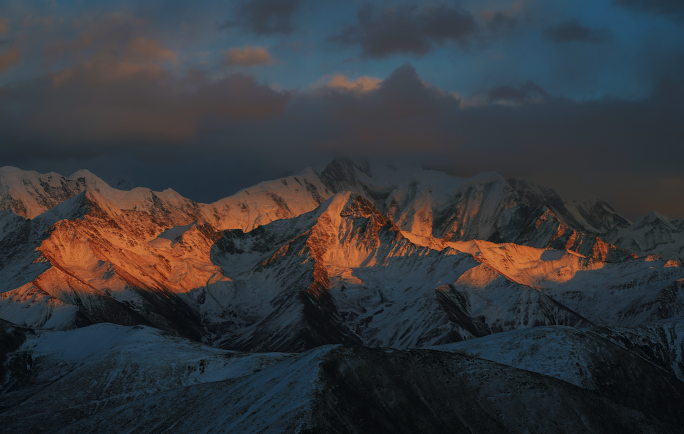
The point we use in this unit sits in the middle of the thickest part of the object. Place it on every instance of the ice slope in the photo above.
(107, 378)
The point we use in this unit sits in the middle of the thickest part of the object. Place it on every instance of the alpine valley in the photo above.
(358, 298)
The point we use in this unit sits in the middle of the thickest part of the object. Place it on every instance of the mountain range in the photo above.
(298, 297)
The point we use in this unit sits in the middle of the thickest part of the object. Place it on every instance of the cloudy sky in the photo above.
(586, 97)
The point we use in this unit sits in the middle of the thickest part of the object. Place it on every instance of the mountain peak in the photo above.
(349, 205)
(654, 214)
(336, 202)
(651, 218)
(9, 169)
(83, 173)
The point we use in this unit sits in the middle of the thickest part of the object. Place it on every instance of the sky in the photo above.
(586, 97)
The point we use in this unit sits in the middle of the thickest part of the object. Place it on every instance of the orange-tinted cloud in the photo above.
(361, 84)
(142, 49)
(8, 59)
(141, 60)
(107, 69)
(248, 56)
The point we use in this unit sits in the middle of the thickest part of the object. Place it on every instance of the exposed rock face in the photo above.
(478, 304)
(339, 270)
(485, 207)
(348, 263)
(29, 193)
(592, 216)
(423, 202)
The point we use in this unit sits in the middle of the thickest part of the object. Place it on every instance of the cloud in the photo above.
(141, 58)
(4, 25)
(527, 92)
(121, 93)
(108, 33)
(400, 96)
(265, 17)
(31, 21)
(248, 56)
(362, 84)
(97, 106)
(613, 148)
(107, 69)
(406, 29)
(142, 49)
(573, 31)
(672, 8)
(8, 59)
(500, 22)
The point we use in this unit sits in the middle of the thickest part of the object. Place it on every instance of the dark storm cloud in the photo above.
(108, 33)
(104, 104)
(500, 22)
(265, 17)
(406, 29)
(516, 94)
(401, 95)
(673, 8)
(628, 151)
(572, 31)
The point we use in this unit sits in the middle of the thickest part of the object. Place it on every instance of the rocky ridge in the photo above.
(495, 287)
(299, 266)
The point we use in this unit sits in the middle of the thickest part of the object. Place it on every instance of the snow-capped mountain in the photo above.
(341, 273)
(320, 267)
(583, 357)
(652, 234)
(126, 309)
(121, 184)
(347, 271)
(110, 379)
(592, 216)
(485, 207)
(424, 202)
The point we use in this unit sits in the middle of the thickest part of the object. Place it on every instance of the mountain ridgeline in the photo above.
(359, 298)
(356, 254)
